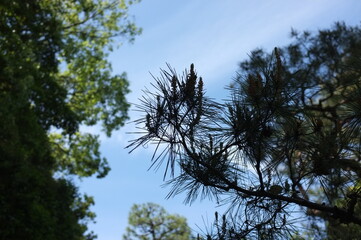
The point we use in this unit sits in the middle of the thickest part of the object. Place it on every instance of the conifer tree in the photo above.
(150, 221)
(287, 139)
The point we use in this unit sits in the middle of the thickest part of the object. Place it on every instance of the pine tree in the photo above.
(287, 139)
(150, 221)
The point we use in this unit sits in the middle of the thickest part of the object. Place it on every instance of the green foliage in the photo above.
(34, 205)
(54, 77)
(151, 222)
(80, 157)
(288, 137)
(88, 28)
(336, 229)
(93, 93)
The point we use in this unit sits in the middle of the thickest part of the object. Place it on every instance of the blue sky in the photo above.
(215, 35)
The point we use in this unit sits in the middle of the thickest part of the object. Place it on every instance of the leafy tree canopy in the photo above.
(54, 77)
(288, 137)
(150, 221)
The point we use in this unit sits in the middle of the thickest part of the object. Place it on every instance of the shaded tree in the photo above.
(288, 138)
(150, 221)
(54, 77)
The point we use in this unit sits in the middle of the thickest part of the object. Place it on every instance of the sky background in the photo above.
(215, 35)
